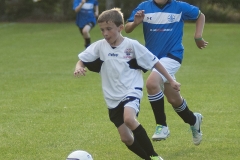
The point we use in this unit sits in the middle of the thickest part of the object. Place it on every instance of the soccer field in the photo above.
(46, 113)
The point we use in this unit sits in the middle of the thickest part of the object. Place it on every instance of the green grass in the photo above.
(45, 113)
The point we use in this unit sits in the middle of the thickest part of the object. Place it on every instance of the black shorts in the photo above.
(91, 24)
(116, 114)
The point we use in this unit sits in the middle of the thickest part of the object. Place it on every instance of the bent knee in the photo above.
(127, 140)
(129, 122)
(175, 102)
(152, 85)
(85, 31)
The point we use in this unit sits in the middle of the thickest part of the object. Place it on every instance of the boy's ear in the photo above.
(121, 27)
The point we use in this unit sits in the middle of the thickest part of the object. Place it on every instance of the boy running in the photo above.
(120, 62)
(163, 22)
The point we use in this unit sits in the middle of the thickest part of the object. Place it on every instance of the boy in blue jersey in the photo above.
(163, 22)
(87, 11)
(120, 61)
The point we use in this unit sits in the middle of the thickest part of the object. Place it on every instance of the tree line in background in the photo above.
(61, 10)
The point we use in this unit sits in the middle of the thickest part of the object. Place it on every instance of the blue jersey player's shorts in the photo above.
(116, 114)
(91, 24)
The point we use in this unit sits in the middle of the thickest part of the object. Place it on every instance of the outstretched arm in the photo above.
(79, 69)
(138, 18)
(175, 85)
(200, 42)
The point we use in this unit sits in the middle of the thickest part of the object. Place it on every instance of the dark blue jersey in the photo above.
(86, 13)
(163, 27)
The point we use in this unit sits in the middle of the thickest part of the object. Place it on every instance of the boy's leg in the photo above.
(132, 144)
(86, 35)
(141, 136)
(85, 31)
(156, 99)
(180, 106)
(116, 116)
(139, 133)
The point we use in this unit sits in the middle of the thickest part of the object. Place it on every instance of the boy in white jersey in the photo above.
(120, 62)
(163, 22)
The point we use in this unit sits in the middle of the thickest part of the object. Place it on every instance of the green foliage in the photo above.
(61, 10)
(233, 3)
(219, 13)
(18, 9)
(219, 10)
(45, 113)
(43, 10)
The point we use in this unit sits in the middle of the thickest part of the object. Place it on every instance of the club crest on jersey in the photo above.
(171, 18)
(128, 52)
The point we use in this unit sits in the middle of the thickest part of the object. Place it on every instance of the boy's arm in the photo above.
(96, 11)
(159, 67)
(77, 9)
(200, 42)
(138, 18)
(80, 69)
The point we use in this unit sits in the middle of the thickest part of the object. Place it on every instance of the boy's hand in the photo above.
(201, 43)
(139, 16)
(79, 71)
(175, 85)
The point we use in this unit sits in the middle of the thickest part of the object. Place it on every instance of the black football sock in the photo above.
(157, 103)
(137, 149)
(184, 112)
(142, 138)
(87, 42)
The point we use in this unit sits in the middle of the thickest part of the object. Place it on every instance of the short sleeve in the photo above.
(144, 57)
(190, 12)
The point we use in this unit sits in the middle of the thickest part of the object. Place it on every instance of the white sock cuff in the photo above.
(156, 97)
(182, 107)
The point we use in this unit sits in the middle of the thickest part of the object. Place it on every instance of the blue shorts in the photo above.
(91, 24)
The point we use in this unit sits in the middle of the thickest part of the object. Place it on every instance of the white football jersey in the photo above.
(120, 68)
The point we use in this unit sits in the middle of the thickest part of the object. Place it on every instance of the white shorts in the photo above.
(135, 104)
(171, 65)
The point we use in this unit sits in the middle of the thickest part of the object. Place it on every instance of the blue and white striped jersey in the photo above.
(163, 27)
(86, 14)
(120, 68)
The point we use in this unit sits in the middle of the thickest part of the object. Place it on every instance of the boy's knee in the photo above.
(129, 121)
(153, 88)
(85, 33)
(175, 101)
(151, 85)
(127, 141)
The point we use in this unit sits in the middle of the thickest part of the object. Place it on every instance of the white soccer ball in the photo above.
(36, 0)
(79, 155)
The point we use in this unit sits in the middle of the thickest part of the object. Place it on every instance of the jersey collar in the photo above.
(162, 6)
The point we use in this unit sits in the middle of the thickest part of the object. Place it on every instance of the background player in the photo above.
(87, 11)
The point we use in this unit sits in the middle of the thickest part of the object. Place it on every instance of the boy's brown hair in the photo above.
(113, 15)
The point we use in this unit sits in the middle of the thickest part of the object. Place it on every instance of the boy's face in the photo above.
(111, 32)
(161, 2)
